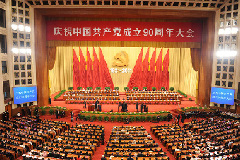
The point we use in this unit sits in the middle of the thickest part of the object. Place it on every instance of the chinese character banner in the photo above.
(123, 31)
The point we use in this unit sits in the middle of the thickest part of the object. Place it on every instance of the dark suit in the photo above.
(57, 113)
(142, 105)
(96, 104)
(124, 107)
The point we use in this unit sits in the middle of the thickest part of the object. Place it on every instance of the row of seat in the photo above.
(201, 139)
(132, 141)
(164, 102)
(79, 141)
(91, 97)
(23, 134)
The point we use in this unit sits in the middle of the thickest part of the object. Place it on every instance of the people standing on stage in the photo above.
(137, 106)
(142, 105)
(85, 104)
(96, 104)
(124, 106)
(119, 105)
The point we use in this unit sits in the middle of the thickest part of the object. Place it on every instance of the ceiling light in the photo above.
(22, 50)
(14, 27)
(226, 53)
(21, 28)
(27, 29)
(15, 50)
(28, 51)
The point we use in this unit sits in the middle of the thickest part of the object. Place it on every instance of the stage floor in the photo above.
(131, 107)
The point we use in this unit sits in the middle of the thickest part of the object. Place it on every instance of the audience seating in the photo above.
(134, 140)
(214, 137)
(35, 140)
(20, 135)
(79, 141)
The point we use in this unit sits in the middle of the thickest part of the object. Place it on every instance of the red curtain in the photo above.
(75, 70)
(146, 73)
(158, 82)
(145, 70)
(105, 78)
(82, 71)
(151, 75)
(165, 76)
(89, 78)
(136, 76)
(96, 75)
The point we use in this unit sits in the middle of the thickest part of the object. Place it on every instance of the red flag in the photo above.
(165, 71)
(82, 73)
(75, 70)
(105, 78)
(145, 71)
(151, 75)
(135, 80)
(89, 77)
(96, 78)
(158, 77)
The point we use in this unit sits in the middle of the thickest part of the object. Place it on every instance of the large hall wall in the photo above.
(205, 61)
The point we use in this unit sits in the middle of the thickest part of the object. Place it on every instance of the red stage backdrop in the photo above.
(123, 31)
(150, 74)
(91, 73)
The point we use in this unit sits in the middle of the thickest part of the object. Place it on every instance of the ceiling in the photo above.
(139, 4)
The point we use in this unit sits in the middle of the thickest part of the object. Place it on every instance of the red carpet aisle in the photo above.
(108, 128)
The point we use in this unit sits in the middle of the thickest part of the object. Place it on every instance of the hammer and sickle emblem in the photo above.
(120, 59)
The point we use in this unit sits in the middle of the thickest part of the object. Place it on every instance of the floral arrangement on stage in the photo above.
(45, 110)
(124, 116)
(59, 94)
(193, 108)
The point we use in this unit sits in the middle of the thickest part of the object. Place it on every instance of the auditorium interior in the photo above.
(119, 79)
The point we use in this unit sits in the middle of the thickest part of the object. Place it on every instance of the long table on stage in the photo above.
(163, 101)
(112, 97)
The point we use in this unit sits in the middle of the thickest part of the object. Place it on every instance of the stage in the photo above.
(131, 107)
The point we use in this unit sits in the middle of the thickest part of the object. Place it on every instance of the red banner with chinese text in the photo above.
(124, 31)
